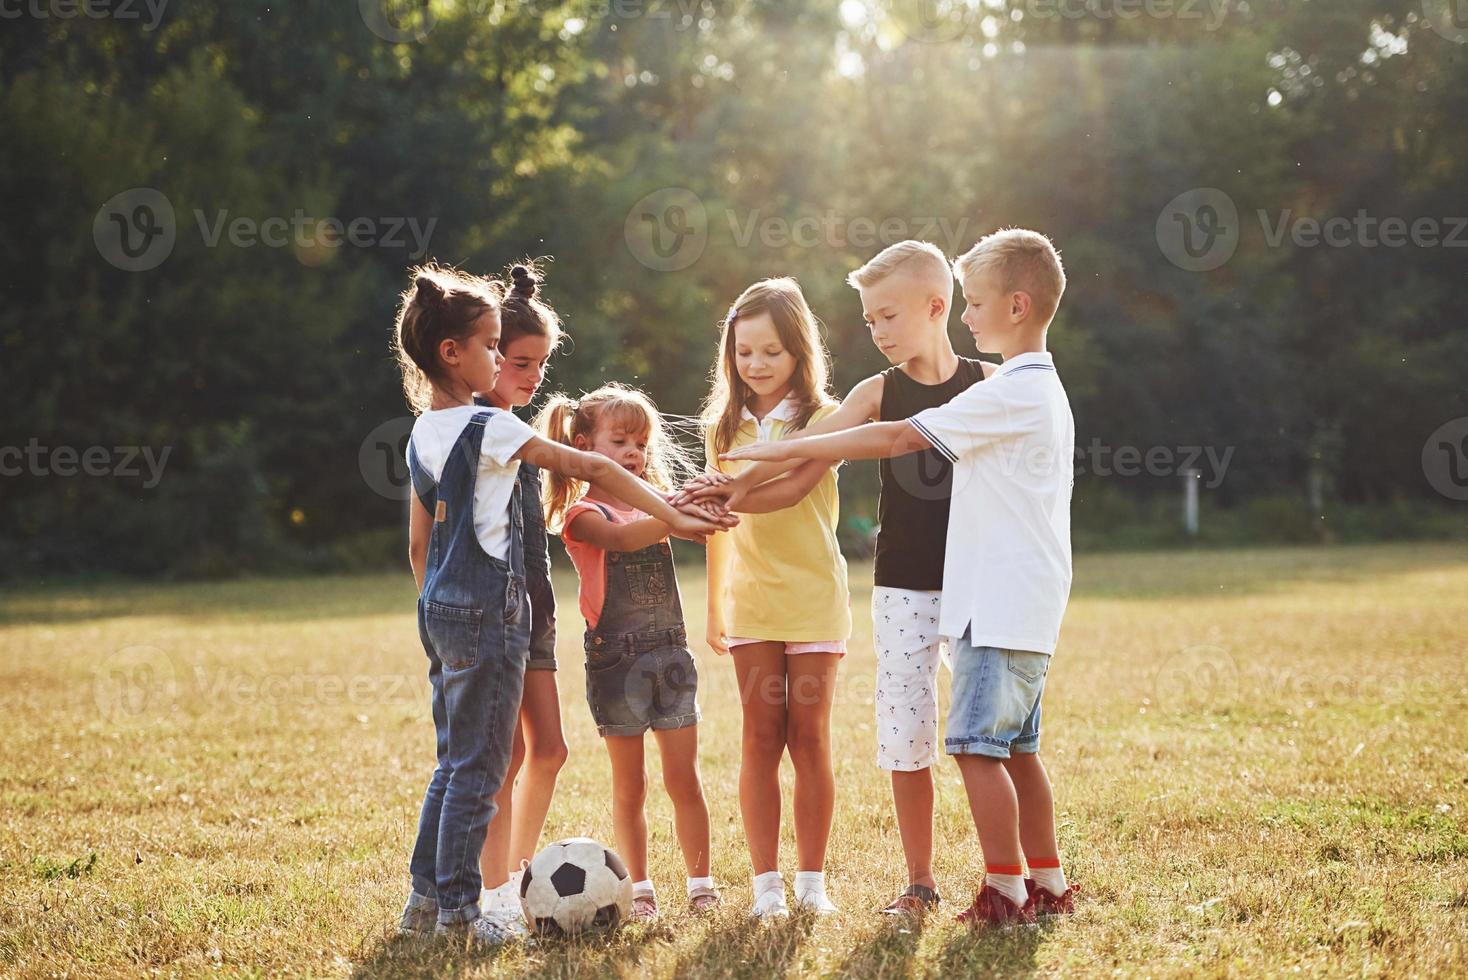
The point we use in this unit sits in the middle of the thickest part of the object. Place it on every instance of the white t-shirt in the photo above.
(1011, 440)
(434, 436)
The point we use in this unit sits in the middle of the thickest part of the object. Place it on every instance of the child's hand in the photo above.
(699, 484)
(715, 638)
(710, 511)
(693, 527)
(775, 451)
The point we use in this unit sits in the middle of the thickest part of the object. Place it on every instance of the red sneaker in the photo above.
(1043, 904)
(993, 908)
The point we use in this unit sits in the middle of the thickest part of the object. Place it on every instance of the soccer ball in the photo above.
(573, 886)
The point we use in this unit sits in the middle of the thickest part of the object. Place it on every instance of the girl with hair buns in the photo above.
(530, 332)
(466, 534)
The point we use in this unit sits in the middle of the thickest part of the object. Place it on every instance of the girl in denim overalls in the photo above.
(640, 674)
(466, 547)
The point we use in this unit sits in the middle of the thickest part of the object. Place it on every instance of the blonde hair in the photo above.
(564, 418)
(1024, 262)
(799, 333)
(922, 260)
(443, 303)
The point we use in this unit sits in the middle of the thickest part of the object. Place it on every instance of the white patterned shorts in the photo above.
(909, 647)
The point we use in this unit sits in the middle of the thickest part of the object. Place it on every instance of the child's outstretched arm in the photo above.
(875, 440)
(719, 555)
(862, 404)
(607, 476)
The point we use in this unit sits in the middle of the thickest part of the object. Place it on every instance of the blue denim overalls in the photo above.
(639, 672)
(474, 620)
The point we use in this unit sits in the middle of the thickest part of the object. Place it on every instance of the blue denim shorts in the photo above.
(995, 709)
(639, 682)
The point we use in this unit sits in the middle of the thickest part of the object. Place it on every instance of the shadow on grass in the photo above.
(739, 946)
(593, 955)
(887, 951)
(988, 952)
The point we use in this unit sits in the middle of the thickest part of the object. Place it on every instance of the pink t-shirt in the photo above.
(590, 561)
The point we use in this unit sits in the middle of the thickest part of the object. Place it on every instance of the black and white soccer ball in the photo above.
(573, 886)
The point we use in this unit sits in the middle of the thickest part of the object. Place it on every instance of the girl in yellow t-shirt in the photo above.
(777, 597)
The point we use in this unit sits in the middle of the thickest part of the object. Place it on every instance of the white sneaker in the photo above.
(483, 931)
(502, 906)
(770, 905)
(815, 901)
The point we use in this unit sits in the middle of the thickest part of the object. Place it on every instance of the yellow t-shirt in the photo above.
(787, 579)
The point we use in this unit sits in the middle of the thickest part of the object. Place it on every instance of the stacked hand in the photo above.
(713, 489)
(712, 516)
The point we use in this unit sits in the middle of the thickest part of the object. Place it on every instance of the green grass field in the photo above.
(1261, 764)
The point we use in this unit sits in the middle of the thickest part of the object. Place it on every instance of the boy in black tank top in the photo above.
(906, 293)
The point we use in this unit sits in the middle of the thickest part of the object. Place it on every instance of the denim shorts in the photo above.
(995, 709)
(642, 681)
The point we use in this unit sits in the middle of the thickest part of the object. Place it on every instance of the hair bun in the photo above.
(429, 291)
(525, 281)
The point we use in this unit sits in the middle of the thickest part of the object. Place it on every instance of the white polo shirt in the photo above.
(1011, 440)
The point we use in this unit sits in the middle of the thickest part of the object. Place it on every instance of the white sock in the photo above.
(810, 883)
(644, 888)
(707, 881)
(1050, 879)
(1010, 886)
(770, 881)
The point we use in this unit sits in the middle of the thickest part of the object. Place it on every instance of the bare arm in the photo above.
(862, 404)
(875, 440)
(612, 479)
(597, 531)
(420, 529)
(784, 491)
(720, 551)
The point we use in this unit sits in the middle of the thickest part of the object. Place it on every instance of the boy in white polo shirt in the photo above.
(1011, 440)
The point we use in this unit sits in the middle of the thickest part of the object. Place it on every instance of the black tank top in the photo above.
(913, 506)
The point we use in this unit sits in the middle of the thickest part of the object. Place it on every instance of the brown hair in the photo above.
(564, 418)
(442, 304)
(524, 313)
(799, 333)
